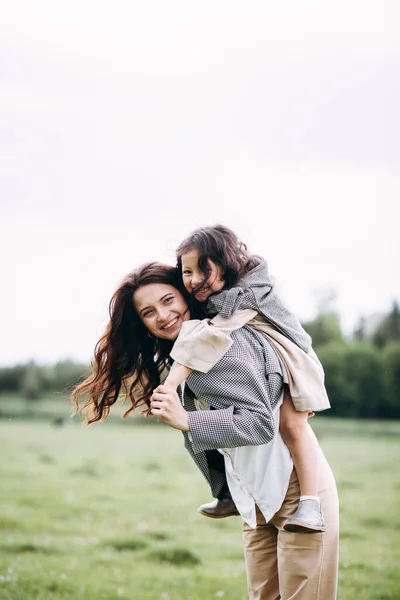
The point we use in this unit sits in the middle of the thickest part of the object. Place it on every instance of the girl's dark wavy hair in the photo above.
(126, 358)
(224, 248)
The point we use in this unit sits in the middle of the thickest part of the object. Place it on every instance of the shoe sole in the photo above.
(205, 514)
(301, 528)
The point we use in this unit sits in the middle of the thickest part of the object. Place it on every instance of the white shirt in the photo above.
(257, 474)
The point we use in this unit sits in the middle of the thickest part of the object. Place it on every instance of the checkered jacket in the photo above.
(256, 290)
(242, 389)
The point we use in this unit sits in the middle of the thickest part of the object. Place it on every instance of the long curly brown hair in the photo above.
(126, 358)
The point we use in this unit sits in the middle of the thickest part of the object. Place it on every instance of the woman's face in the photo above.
(162, 308)
(192, 276)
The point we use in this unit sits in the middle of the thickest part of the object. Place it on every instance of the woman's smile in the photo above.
(172, 323)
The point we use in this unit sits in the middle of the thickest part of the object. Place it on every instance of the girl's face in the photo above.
(162, 308)
(192, 276)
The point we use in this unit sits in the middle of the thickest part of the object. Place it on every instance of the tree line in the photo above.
(362, 373)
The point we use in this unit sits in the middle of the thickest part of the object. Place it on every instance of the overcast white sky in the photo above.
(124, 125)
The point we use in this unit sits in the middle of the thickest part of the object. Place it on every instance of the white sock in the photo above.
(310, 498)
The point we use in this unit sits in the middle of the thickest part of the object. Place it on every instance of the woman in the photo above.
(244, 392)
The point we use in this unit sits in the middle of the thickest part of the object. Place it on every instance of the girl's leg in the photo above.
(295, 432)
(293, 428)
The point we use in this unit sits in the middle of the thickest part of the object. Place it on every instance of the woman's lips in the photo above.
(171, 324)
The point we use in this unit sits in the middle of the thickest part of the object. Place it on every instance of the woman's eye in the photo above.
(167, 300)
(186, 272)
(147, 314)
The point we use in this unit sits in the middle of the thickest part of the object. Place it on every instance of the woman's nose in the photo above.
(163, 314)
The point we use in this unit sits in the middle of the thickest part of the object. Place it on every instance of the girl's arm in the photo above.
(201, 344)
(177, 375)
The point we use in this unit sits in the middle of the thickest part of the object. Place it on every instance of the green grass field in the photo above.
(109, 513)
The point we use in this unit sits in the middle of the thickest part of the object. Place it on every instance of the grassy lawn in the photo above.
(109, 513)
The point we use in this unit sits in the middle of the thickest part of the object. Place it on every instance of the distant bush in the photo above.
(325, 328)
(31, 384)
(31, 380)
(11, 377)
(390, 357)
(67, 374)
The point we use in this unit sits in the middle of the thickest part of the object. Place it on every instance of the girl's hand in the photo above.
(166, 405)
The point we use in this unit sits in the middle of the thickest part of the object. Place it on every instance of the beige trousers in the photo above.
(294, 566)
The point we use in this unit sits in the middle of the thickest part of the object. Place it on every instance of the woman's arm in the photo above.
(244, 388)
(243, 397)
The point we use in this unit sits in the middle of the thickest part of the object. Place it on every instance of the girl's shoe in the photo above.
(307, 518)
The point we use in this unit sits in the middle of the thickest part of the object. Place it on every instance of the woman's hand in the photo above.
(166, 405)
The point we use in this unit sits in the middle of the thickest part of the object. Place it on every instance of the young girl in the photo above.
(219, 273)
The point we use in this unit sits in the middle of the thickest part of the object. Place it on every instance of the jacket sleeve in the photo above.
(201, 344)
(245, 393)
(227, 302)
(257, 292)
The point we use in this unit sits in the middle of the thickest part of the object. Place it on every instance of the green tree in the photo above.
(11, 377)
(363, 372)
(31, 382)
(389, 328)
(332, 357)
(67, 374)
(391, 374)
(360, 334)
(324, 328)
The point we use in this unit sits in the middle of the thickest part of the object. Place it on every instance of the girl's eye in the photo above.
(147, 314)
(186, 272)
(168, 300)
